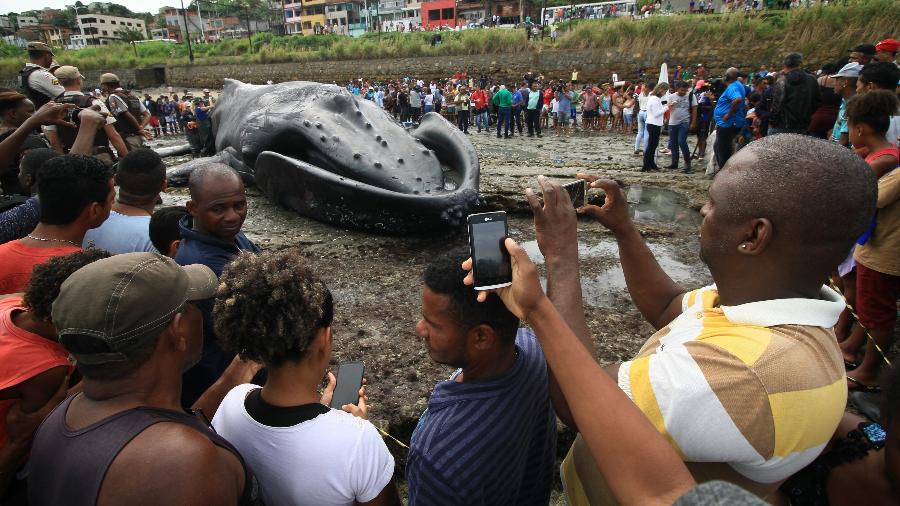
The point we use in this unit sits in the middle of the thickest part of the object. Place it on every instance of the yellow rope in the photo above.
(383, 433)
(868, 335)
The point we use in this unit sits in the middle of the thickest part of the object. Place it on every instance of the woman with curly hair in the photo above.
(273, 309)
(34, 367)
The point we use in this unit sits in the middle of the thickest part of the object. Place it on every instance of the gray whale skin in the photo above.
(324, 153)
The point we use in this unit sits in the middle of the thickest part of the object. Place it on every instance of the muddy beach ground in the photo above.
(376, 280)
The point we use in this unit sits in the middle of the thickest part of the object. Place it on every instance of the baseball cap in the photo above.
(849, 70)
(39, 46)
(205, 90)
(68, 72)
(114, 305)
(867, 49)
(109, 78)
(889, 45)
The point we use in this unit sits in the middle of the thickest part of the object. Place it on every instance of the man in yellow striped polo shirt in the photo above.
(744, 378)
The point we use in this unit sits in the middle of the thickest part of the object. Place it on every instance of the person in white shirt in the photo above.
(273, 309)
(656, 111)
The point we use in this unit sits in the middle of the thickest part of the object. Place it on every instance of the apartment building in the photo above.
(102, 29)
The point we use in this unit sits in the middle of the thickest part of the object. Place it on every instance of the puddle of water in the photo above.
(609, 285)
(649, 203)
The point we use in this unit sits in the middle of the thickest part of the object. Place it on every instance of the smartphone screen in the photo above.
(349, 379)
(492, 266)
(576, 189)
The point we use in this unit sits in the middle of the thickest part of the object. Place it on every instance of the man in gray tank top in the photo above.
(130, 323)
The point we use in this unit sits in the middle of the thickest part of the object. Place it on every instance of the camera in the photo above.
(73, 115)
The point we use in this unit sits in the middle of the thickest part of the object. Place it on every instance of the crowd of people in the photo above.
(158, 352)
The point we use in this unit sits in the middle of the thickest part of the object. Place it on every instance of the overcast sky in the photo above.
(135, 5)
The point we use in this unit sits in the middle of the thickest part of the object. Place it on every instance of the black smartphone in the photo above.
(576, 190)
(491, 263)
(349, 379)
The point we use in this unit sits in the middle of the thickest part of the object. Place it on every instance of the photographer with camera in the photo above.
(62, 138)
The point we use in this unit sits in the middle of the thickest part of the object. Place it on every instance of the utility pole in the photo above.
(187, 33)
(200, 17)
(283, 20)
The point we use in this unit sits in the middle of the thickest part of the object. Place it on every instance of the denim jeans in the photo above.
(429, 108)
(678, 135)
(481, 119)
(641, 136)
(504, 118)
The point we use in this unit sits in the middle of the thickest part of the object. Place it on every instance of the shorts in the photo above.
(876, 298)
(563, 117)
(589, 114)
(627, 117)
(703, 130)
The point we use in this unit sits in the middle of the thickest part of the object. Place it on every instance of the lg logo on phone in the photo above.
(489, 219)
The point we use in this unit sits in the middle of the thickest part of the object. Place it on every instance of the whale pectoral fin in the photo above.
(336, 199)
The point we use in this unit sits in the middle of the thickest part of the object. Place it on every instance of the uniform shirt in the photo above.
(95, 103)
(117, 105)
(44, 82)
(487, 442)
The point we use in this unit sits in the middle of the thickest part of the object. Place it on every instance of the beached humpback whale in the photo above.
(325, 153)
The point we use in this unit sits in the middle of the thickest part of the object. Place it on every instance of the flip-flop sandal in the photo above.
(849, 366)
(860, 387)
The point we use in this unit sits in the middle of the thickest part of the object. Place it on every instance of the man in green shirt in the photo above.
(503, 101)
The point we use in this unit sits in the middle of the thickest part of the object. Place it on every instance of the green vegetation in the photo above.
(823, 30)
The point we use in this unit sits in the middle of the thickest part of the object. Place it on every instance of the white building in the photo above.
(5, 23)
(24, 21)
(101, 30)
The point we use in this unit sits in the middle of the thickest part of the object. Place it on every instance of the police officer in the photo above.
(35, 80)
(131, 115)
(62, 138)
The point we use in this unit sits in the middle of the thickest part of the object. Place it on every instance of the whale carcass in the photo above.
(325, 153)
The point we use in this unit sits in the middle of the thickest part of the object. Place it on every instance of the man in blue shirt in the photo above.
(488, 435)
(211, 235)
(518, 101)
(729, 115)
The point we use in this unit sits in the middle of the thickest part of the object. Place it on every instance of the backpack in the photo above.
(67, 134)
(34, 95)
(133, 104)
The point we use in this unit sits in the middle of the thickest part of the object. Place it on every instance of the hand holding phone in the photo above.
(349, 382)
(492, 268)
(576, 191)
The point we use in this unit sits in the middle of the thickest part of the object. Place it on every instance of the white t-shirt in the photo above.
(428, 99)
(642, 101)
(554, 105)
(333, 459)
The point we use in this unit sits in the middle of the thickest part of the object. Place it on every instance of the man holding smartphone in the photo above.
(488, 435)
(755, 353)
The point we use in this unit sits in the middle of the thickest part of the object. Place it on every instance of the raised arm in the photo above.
(637, 463)
(556, 229)
(656, 296)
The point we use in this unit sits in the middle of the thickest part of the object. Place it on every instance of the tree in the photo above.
(131, 35)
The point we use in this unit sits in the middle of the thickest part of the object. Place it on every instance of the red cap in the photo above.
(889, 45)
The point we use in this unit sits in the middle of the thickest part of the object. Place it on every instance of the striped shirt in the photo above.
(757, 386)
(487, 442)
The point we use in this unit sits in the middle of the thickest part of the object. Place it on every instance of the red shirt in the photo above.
(23, 355)
(548, 96)
(479, 98)
(17, 261)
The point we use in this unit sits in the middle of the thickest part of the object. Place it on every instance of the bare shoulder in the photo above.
(171, 463)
